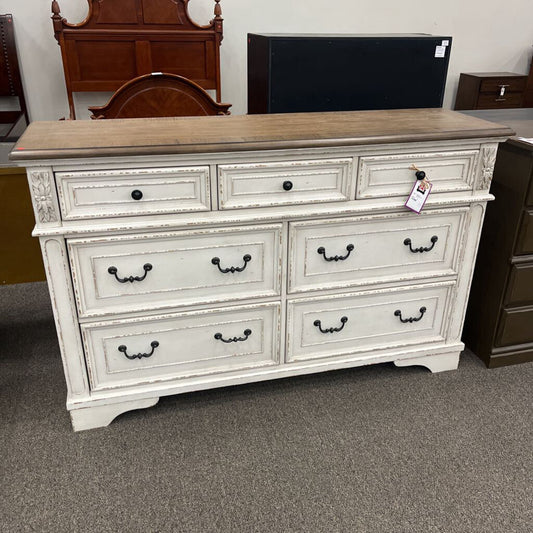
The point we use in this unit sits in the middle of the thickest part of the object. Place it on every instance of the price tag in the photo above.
(419, 193)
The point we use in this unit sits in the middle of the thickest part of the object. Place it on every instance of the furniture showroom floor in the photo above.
(370, 449)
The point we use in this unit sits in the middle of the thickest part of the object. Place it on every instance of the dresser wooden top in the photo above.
(158, 136)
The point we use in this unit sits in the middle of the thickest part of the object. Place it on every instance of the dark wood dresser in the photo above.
(499, 320)
(490, 90)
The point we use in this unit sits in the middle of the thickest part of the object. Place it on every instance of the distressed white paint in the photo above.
(185, 298)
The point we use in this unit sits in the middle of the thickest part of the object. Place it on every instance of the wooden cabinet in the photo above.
(490, 90)
(217, 272)
(499, 321)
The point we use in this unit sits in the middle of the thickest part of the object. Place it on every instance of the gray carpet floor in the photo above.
(372, 449)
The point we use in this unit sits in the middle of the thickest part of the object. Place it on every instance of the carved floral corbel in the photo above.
(41, 187)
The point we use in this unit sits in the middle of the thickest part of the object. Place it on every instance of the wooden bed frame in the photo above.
(123, 39)
(159, 95)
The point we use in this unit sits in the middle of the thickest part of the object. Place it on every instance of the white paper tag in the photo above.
(418, 196)
(445, 43)
(440, 51)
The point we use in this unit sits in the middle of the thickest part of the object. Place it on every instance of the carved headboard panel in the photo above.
(123, 39)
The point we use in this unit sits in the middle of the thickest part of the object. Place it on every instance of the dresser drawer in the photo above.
(117, 274)
(393, 175)
(520, 286)
(283, 183)
(137, 351)
(358, 322)
(112, 193)
(524, 244)
(334, 253)
(515, 327)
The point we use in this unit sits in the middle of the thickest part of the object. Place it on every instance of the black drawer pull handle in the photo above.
(422, 249)
(398, 313)
(246, 258)
(113, 271)
(124, 350)
(349, 248)
(287, 185)
(136, 194)
(318, 324)
(246, 332)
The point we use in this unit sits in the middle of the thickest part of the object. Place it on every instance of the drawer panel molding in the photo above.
(283, 183)
(130, 273)
(136, 351)
(358, 322)
(97, 194)
(326, 254)
(394, 175)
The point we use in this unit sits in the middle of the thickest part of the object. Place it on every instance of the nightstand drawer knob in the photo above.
(420, 174)
(136, 194)
(287, 185)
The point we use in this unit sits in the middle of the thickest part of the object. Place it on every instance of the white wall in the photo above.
(488, 36)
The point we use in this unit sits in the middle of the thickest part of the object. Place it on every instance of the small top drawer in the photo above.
(510, 84)
(283, 183)
(394, 174)
(113, 193)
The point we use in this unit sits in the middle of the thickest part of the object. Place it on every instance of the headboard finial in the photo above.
(57, 19)
(217, 21)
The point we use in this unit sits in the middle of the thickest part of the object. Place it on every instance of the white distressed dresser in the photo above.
(192, 253)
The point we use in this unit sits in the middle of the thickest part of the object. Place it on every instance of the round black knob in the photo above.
(136, 194)
(287, 185)
(420, 174)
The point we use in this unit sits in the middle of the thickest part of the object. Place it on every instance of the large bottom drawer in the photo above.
(144, 350)
(357, 322)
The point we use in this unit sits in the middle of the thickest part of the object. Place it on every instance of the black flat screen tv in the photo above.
(316, 72)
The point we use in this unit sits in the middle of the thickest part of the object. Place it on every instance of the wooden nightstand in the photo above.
(490, 90)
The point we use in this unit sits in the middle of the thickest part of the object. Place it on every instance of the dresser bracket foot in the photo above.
(102, 415)
(435, 363)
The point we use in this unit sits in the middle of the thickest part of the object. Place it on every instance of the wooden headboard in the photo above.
(122, 39)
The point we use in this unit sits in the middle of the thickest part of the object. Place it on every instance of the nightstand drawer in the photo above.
(282, 183)
(494, 101)
(113, 193)
(178, 346)
(125, 273)
(511, 84)
(359, 322)
(374, 249)
(394, 175)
